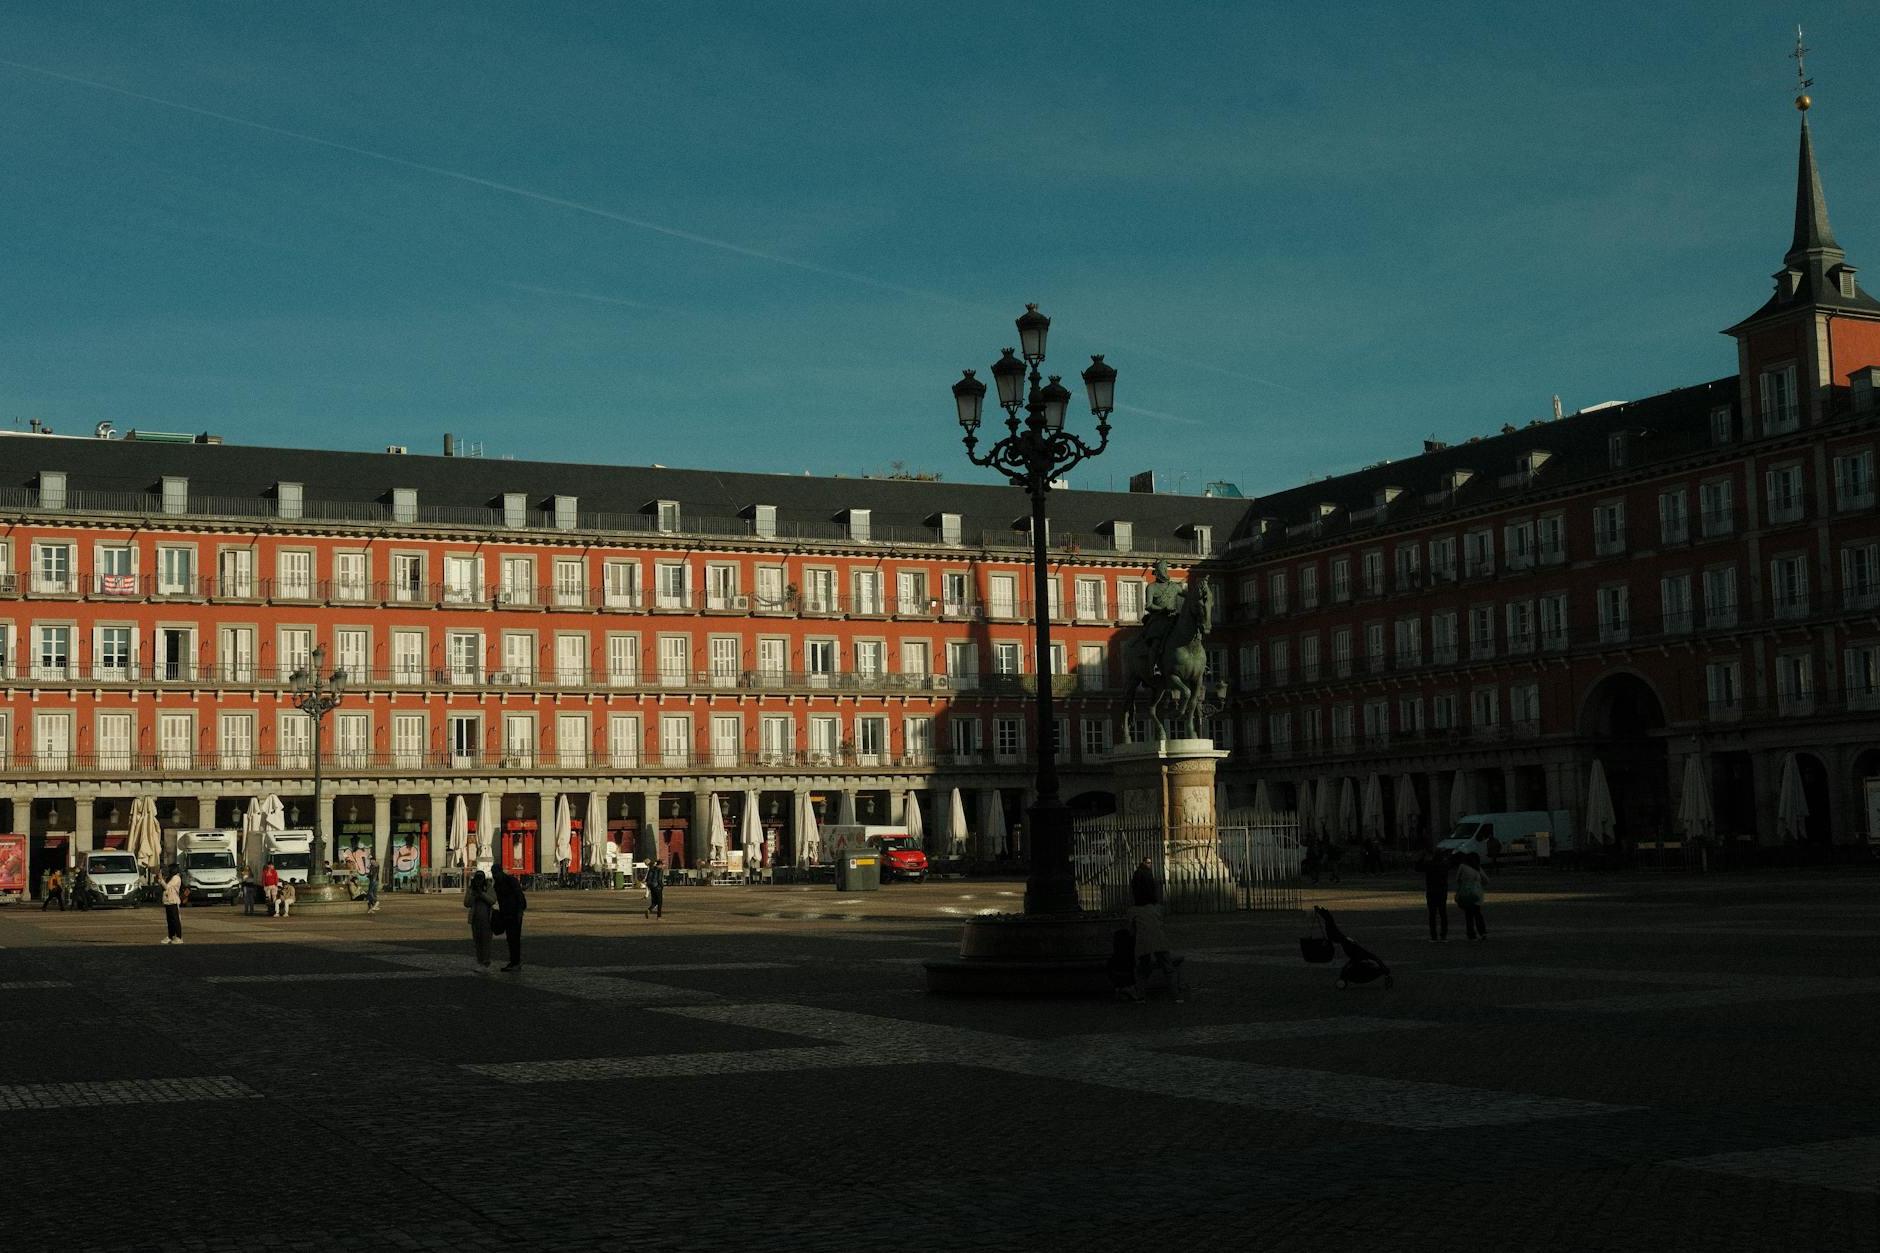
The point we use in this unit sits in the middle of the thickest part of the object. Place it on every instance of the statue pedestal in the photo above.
(1166, 788)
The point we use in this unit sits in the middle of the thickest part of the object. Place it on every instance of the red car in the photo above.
(901, 857)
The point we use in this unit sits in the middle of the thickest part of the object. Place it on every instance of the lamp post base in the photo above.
(1050, 888)
(1056, 955)
(326, 898)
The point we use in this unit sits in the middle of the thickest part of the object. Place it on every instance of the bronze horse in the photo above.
(1174, 676)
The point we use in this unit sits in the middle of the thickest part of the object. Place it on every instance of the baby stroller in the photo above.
(1361, 964)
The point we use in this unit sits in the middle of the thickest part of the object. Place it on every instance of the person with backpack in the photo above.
(1471, 888)
(655, 890)
(55, 890)
(511, 902)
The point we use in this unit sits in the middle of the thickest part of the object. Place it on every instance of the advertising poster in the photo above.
(13, 863)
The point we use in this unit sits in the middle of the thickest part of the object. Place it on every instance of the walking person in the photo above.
(370, 870)
(655, 890)
(1143, 889)
(55, 890)
(511, 901)
(173, 905)
(1471, 888)
(1435, 870)
(479, 899)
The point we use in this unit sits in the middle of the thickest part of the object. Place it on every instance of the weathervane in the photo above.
(1802, 81)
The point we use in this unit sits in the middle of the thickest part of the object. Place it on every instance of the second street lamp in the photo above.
(1035, 453)
(316, 693)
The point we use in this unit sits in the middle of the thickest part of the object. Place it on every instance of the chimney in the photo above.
(450, 444)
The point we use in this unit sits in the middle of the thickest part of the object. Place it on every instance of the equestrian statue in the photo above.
(1166, 657)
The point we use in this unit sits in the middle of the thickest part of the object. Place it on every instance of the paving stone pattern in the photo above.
(1657, 1062)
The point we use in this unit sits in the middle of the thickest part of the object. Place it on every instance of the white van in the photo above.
(1520, 833)
(291, 854)
(207, 860)
(113, 876)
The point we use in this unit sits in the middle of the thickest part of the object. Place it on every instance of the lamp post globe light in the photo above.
(1035, 452)
(316, 693)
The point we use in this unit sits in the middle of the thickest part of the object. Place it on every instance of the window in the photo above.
(570, 589)
(175, 495)
(1795, 683)
(351, 577)
(404, 504)
(1008, 738)
(1371, 572)
(721, 586)
(408, 657)
(963, 664)
(1520, 619)
(1443, 711)
(235, 574)
(53, 653)
(672, 585)
(1553, 620)
(1374, 647)
(871, 740)
(1443, 558)
(776, 740)
(1674, 598)
(176, 740)
(352, 650)
(819, 590)
(1484, 708)
(1279, 732)
(1723, 684)
(176, 572)
(1616, 448)
(1250, 665)
(666, 515)
(917, 739)
(1308, 658)
(293, 741)
(515, 509)
(1781, 407)
(1674, 521)
(1517, 541)
(565, 512)
(1007, 657)
(1003, 597)
(1279, 661)
(1788, 586)
(623, 660)
(1311, 728)
(1481, 632)
(1721, 427)
(1443, 637)
(294, 649)
(463, 656)
(1478, 553)
(1860, 576)
(1524, 708)
(1720, 596)
(871, 659)
(1308, 587)
(858, 524)
(1053, 599)
(1092, 671)
(1204, 541)
(1410, 715)
(112, 653)
(1853, 480)
(953, 598)
(675, 739)
(1713, 501)
(950, 530)
(1341, 579)
(819, 661)
(463, 739)
(1376, 723)
(1785, 493)
(764, 521)
(620, 584)
(1551, 538)
(1609, 528)
(1409, 642)
(1614, 614)
(623, 740)
(352, 739)
(52, 489)
(117, 736)
(1090, 600)
(408, 739)
(964, 736)
(519, 656)
(463, 580)
(1860, 672)
(1122, 536)
(1096, 737)
(910, 594)
(1341, 652)
(408, 577)
(727, 739)
(825, 741)
(1276, 591)
(1341, 728)
(1408, 563)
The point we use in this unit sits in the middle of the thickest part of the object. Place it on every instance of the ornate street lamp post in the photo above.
(316, 693)
(1033, 455)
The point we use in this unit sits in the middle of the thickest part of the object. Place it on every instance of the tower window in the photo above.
(1847, 284)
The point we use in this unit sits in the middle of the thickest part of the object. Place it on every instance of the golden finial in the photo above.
(1802, 81)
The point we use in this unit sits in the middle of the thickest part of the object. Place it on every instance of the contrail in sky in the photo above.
(576, 206)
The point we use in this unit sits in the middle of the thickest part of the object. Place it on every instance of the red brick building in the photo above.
(1692, 577)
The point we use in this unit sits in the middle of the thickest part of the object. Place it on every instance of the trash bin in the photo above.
(858, 871)
(1543, 845)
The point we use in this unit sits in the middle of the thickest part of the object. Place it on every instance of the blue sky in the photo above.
(768, 237)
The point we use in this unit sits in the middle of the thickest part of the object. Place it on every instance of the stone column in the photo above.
(382, 835)
(440, 833)
(1168, 795)
(545, 834)
(83, 812)
(699, 836)
(205, 808)
(649, 826)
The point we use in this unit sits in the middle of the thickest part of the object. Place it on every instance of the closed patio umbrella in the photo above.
(1325, 807)
(1694, 814)
(487, 822)
(594, 832)
(1307, 823)
(1791, 802)
(808, 836)
(251, 852)
(958, 833)
(1262, 804)
(1601, 822)
(1347, 811)
(458, 839)
(1407, 810)
(564, 829)
(715, 846)
(751, 833)
(1373, 811)
(994, 839)
(144, 836)
(916, 829)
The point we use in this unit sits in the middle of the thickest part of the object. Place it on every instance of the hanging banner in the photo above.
(13, 863)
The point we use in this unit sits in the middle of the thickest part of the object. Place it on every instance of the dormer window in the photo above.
(1720, 426)
(515, 510)
(175, 495)
(1203, 540)
(1788, 283)
(666, 514)
(52, 489)
(404, 504)
(1325, 510)
(565, 512)
(1847, 282)
(949, 528)
(858, 524)
(764, 521)
(1385, 495)
(1532, 461)
(1455, 480)
(1122, 535)
(289, 500)
(1616, 449)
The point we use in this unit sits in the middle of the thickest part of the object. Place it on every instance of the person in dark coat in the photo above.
(655, 890)
(511, 901)
(479, 903)
(1143, 889)
(1435, 869)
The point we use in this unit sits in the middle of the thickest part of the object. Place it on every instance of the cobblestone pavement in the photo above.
(1660, 1062)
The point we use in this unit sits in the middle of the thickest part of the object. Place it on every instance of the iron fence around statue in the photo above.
(1250, 861)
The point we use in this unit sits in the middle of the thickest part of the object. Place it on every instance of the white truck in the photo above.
(207, 859)
(113, 877)
(291, 854)
(1537, 833)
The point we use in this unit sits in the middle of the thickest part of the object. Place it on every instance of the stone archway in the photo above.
(1622, 724)
(1866, 766)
